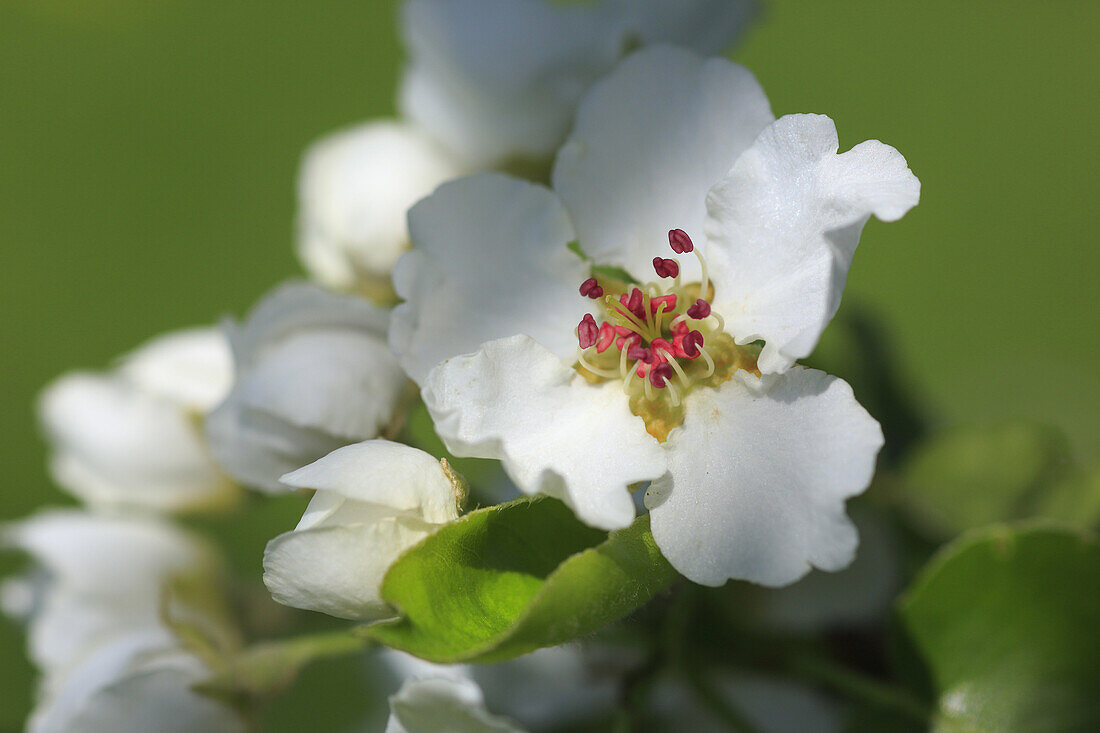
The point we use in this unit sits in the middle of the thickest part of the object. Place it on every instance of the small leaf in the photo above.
(507, 580)
(1006, 619)
(973, 475)
(267, 668)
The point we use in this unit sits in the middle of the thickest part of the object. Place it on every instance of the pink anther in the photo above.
(591, 289)
(662, 349)
(701, 309)
(634, 303)
(689, 344)
(627, 340)
(669, 301)
(587, 331)
(640, 353)
(666, 268)
(660, 374)
(680, 242)
(607, 336)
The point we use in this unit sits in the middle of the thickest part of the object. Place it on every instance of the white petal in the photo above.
(192, 368)
(707, 27)
(783, 226)
(339, 570)
(499, 79)
(443, 705)
(115, 444)
(490, 261)
(649, 141)
(378, 472)
(355, 188)
(758, 476)
(555, 433)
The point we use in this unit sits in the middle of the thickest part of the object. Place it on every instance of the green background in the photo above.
(148, 155)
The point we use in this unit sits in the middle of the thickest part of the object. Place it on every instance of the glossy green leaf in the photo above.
(1008, 622)
(973, 475)
(509, 579)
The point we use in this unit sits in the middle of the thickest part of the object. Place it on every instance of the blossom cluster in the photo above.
(621, 330)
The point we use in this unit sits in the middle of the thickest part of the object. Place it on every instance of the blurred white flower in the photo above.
(131, 437)
(134, 683)
(488, 83)
(750, 458)
(313, 373)
(354, 189)
(443, 705)
(99, 577)
(374, 500)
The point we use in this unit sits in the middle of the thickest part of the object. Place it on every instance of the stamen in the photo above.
(721, 322)
(704, 279)
(590, 288)
(605, 373)
(607, 336)
(673, 394)
(680, 242)
(634, 304)
(684, 378)
(708, 360)
(640, 353)
(646, 385)
(660, 374)
(587, 331)
(620, 311)
(700, 310)
(666, 268)
(690, 344)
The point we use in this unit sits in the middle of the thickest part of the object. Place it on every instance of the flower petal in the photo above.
(355, 188)
(443, 705)
(783, 226)
(555, 433)
(758, 476)
(491, 260)
(380, 473)
(649, 141)
(192, 368)
(338, 570)
(708, 27)
(499, 79)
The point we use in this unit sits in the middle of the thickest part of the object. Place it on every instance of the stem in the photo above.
(860, 686)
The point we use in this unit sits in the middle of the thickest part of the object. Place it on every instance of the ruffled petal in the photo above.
(115, 444)
(783, 226)
(555, 433)
(499, 79)
(338, 570)
(758, 476)
(355, 188)
(708, 27)
(491, 260)
(443, 705)
(380, 473)
(649, 141)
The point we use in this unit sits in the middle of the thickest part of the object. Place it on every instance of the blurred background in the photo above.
(148, 154)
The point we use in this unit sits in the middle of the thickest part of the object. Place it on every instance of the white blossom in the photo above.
(313, 373)
(130, 437)
(443, 705)
(373, 501)
(750, 457)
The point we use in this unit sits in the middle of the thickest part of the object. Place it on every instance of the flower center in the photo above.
(661, 338)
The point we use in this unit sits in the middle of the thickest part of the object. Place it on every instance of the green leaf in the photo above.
(973, 475)
(1007, 621)
(267, 668)
(506, 580)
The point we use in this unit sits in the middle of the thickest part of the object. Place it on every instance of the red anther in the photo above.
(607, 335)
(660, 374)
(689, 344)
(625, 342)
(680, 242)
(640, 353)
(587, 331)
(666, 268)
(668, 300)
(634, 305)
(591, 289)
(701, 309)
(679, 327)
(661, 348)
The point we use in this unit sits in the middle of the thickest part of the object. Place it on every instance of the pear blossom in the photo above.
(137, 682)
(100, 577)
(443, 705)
(750, 458)
(373, 501)
(313, 373)
(489, 83)
(354, 189)
(130, 437)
